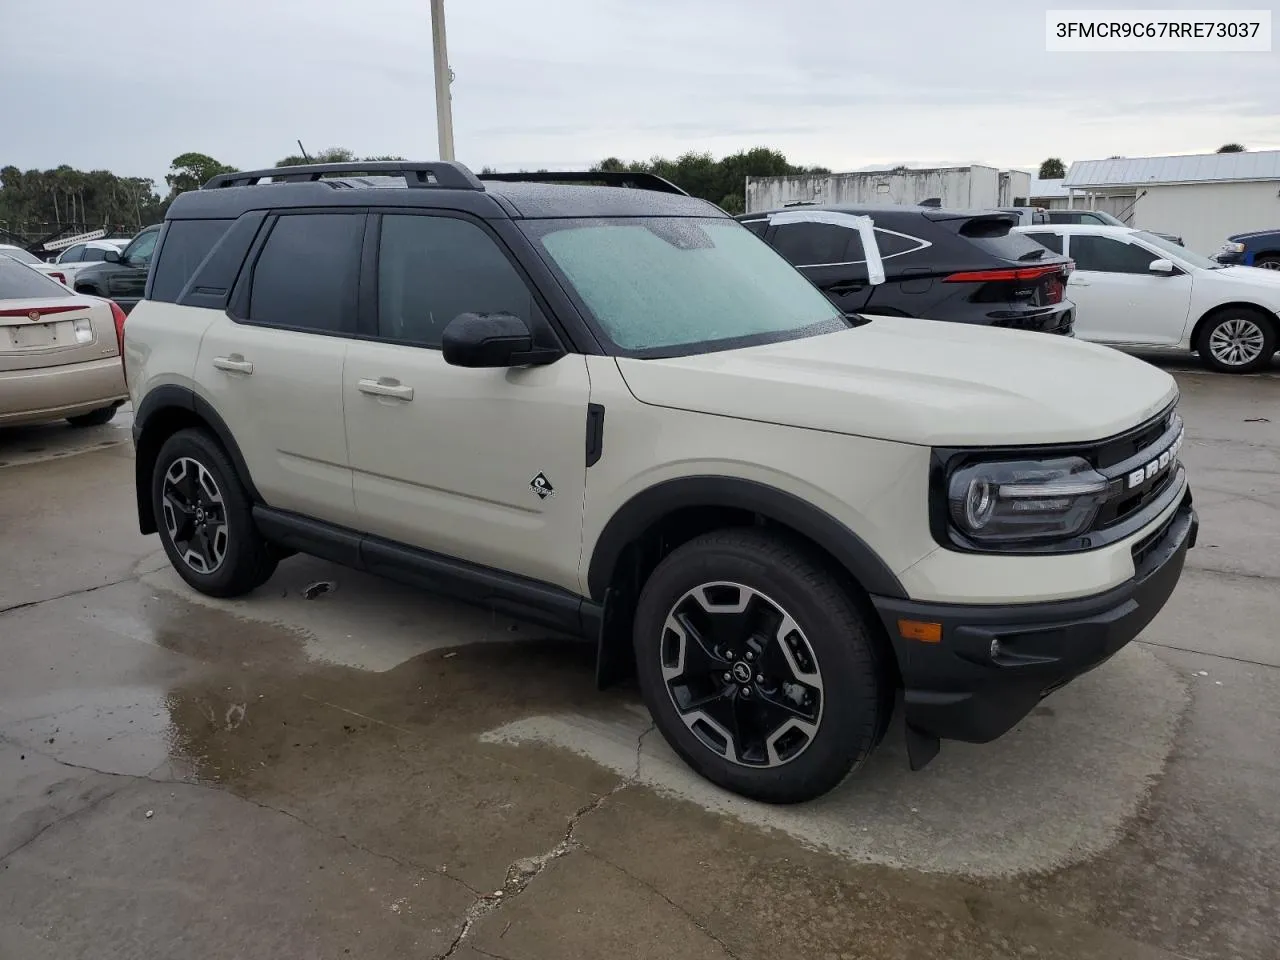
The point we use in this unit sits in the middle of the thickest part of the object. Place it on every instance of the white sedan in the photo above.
(1137, 291)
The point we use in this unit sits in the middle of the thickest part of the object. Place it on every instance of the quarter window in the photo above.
(305, 277)
(431, 269)
(1106, 255)
(186, 244)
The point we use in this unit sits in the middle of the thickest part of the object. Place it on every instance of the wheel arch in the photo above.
(163, 412)
(1212, 312)
(657, 520)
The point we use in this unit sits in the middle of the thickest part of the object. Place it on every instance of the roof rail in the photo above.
(435, 173)
(608, 178)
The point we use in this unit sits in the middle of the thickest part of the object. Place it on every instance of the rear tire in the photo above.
(205, 518)
(1270, 261)
(1237, 340)
(95, 418)
(758, 667)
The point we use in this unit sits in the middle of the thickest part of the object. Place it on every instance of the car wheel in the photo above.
(205, 518)
(1237, 340)
(1269, 262)
(94, 418)
(758, 667)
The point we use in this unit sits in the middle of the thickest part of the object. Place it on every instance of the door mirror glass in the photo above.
(1161, 266)
(491, 340)
(111, 256)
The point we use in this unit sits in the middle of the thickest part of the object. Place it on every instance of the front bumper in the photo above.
(1232, 259)
(994, 663)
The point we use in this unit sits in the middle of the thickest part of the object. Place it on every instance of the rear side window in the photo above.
(22, 283)
(186, 244)
(818, 244)
(894, 244)
(431, 269)
(1050, 240)
(305, 277)
(994, 237)
(1109, 256)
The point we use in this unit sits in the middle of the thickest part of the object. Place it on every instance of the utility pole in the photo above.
(444, 76)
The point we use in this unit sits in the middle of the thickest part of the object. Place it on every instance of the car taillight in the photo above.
(993, 276)
(118, 316)
(60, 277)
(1053, 289)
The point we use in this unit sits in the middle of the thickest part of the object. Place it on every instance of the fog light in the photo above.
(84, 331)
(996, 650)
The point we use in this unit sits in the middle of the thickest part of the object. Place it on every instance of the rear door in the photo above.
(272, 364)
(1118, 299)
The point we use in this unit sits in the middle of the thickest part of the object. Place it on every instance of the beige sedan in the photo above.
(59, 351)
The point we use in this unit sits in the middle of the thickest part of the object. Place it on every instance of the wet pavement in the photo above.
(377, 773)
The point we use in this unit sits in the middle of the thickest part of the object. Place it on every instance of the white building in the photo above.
(1050, 194)
(1203, 198)
(973, 187)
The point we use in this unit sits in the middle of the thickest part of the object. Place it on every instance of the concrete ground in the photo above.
(375, 773)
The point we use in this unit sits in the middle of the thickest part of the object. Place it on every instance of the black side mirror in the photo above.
(491, 340)
(111, 256)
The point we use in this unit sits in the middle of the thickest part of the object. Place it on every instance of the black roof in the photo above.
(438, 185)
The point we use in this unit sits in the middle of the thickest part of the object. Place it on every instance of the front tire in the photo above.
(205, 518)
(95, 418)
(758, 667)
(1270, 261)
(1237, 340)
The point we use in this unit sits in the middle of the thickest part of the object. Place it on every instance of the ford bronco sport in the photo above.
(615, 411)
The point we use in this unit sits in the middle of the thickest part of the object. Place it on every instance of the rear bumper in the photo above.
(995, 663)
(1059, 319)
(51, 393)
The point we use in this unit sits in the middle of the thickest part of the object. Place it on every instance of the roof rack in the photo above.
(437, 173)
(609, 178)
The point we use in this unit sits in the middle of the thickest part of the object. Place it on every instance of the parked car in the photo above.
(122, 275)
(964, 266)
(31, 260)
(75, 258)
(1027, 215)
(59, 351)
(1261, 248)
(1134, 289)
(1101, 218)
(617, 413)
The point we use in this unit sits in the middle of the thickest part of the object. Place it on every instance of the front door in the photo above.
(829, 252)
(128, 283)
(1118, 299)
(484, 465)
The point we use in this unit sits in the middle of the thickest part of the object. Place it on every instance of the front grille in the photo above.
(1148, 467)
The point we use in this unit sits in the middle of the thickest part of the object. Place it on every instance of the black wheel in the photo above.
(1269, 261)
(1237, 340)
(205, 518)
(758, 667)
(94, 418)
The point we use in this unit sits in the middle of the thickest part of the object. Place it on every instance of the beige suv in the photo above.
(607, 407)
(59, 351)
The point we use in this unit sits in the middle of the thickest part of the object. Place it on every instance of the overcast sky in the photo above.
(563, 83)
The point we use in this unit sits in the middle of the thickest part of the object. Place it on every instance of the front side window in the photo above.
(138, 253)
(94, 255)
(306, 276)
(73, 254)
(431, 269)
(818, 244)
(1176, 253)
(1107, 255)
(670, 286)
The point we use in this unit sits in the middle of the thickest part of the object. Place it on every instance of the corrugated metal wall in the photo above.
(958, 187)
(1205, 214)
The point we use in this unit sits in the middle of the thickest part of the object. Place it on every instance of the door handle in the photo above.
(233, 364)
(386, 387)
(840, 289)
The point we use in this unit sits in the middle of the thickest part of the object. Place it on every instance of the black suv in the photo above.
(959, 265)
(121, 277)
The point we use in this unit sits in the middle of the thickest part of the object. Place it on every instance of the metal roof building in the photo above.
(1203, 198)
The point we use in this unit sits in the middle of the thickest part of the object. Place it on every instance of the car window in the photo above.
(138, 253)
(73, 254)
(431, 269)
(305, 277)
(1107, 255)
(1063, 216)
(94, 255)
(17, 253)
(186, 244)
(758, 227)
(22, 283)
(892, 244)
(1051, 240)
(1177, 252)
(671, 286)
(818, 244)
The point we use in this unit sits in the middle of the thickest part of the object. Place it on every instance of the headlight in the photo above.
(1230, 247)
(1025, 500)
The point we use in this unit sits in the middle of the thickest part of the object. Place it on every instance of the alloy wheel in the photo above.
(742, 675)
(194, 515)
(1236, 342)
(1267, 264)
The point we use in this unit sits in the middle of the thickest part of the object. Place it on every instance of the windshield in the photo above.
(17, 253)
(1177, 252)
(22, 283)
(1108, 218)
(666, 286)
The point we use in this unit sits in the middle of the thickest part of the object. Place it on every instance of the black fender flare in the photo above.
(651, 505)
(153, 405)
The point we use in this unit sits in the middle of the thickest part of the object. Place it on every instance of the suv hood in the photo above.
(917, 381)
